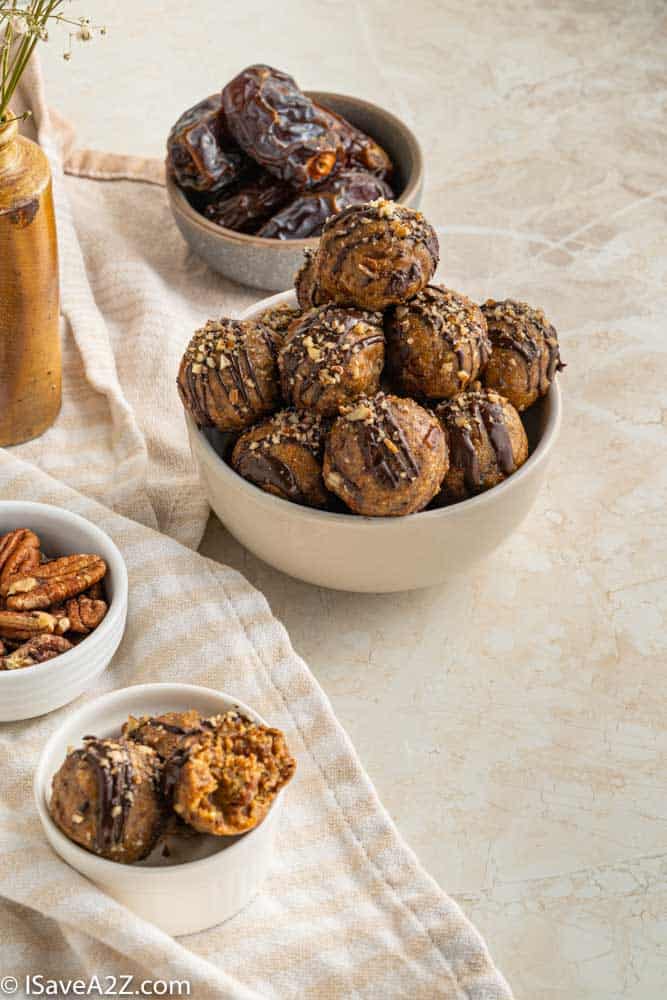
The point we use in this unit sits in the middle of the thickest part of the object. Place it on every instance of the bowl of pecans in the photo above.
(63, 605)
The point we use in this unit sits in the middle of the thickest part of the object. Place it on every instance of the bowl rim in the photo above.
(40, 785)
(532, 463)
(117, 606)
(180, 203)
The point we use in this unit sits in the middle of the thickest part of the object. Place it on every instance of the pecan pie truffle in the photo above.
(436, 343)
(106, 798)
(525, 356)
(376, 255)
(330, 356)
(486, 440)
(283, 456)
(306, 284)
(229, 375)
(165, 733)
(225, 783)
(279, 319)
(385, 456)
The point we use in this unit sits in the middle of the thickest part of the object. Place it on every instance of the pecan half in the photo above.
(55, 582)
(37, 650)
(26, 624)
(62, 621)
(19, 555)
(84, 614)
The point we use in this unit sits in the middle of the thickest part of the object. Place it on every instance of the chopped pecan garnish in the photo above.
(19, 556)
(37, 650)
(55, 582)
(85, 614)
(26, 624)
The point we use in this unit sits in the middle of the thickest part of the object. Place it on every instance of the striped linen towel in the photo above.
(347, 909)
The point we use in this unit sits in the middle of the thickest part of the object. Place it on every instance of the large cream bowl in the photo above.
(374, 554)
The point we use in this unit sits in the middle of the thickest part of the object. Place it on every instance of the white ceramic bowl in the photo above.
(205, 880)
(36, 690)
(374, 554)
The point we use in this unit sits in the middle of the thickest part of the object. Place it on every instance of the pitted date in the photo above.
(279, 127)
(305, 215)
(360, 151)
(201, 153)
(249, 203)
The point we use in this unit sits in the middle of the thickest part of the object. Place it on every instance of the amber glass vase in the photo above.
(30, 366)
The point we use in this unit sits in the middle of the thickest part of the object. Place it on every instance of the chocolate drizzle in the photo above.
(467, 419)
(268, 470)
(382, 442)
(219, 369)
(518, 327)
(112, 766)
(317, 352)
(451, 323)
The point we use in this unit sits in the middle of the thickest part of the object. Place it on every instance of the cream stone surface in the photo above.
(514, 723)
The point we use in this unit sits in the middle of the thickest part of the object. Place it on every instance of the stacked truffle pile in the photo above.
(174, 773)
(381, 390)
(263, 158)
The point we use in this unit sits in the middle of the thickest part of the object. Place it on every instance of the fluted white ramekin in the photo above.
(36, 690)
(179, 895)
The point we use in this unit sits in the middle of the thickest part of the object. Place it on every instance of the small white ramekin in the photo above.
(180, 898)
(46, 686)
(375, 554)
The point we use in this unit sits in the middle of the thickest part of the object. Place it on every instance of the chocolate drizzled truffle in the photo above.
(283, 456)
(279, 319)
(525, 356)
(106, 798)
(436, 343)
(229, 375)
(165, 733)
(225, 783)
(486, 440)
(375, 255)
(306, 284)
(330, 356)
(385, 456)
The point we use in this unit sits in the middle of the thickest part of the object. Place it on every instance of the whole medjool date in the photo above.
(201, 154)
(280, 128)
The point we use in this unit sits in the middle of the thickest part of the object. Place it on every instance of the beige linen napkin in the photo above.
(347, 910)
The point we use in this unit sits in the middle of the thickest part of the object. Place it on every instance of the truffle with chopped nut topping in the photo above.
(385, 456)
(525, 355)
(375, 255)
(225, 782)
(436, 343)
(229, 374)
(330, 356)
(106, 797)
(283, 456)
(165, 733)
(306, 284)
(279, 319)
(486, 441)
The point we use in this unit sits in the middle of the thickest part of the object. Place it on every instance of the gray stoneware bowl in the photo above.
(374, 554)
(271, 264)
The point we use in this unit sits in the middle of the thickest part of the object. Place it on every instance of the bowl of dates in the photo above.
(63, 605)
(254, 171)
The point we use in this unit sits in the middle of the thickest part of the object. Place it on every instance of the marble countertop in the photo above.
(513, 721)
